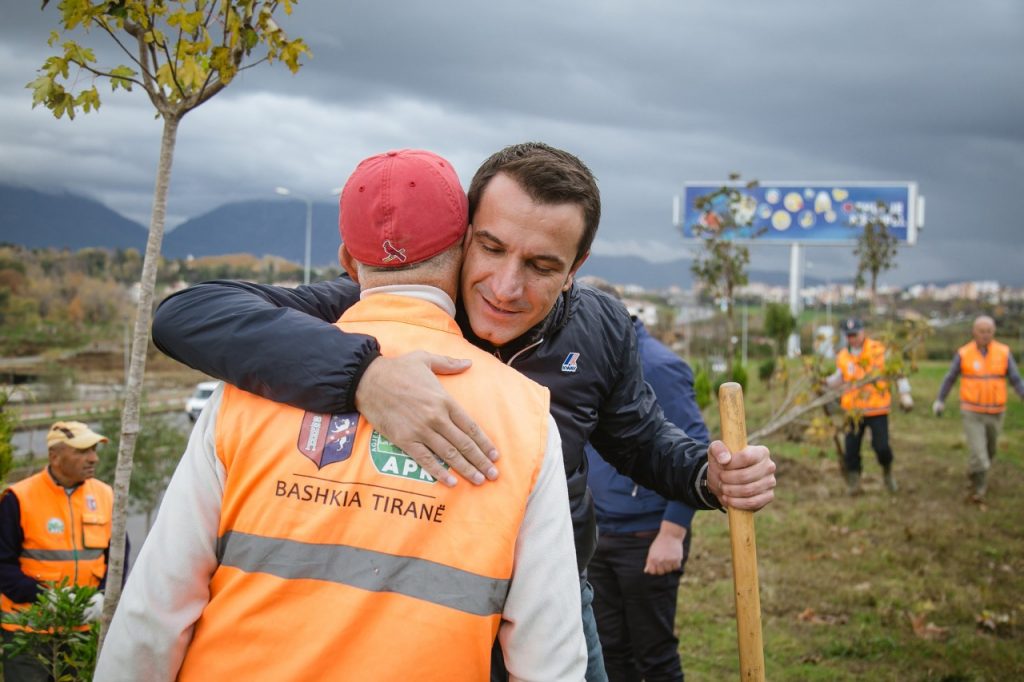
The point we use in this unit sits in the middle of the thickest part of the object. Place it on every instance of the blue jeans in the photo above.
(595, 658)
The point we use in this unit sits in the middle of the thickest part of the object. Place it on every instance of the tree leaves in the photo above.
(184, 51)
(187, 22)
(120, 77)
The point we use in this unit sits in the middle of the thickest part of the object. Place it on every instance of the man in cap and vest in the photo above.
(54, 525)
(297, 545)
(535, 211)
(983, 366)
(867, 405)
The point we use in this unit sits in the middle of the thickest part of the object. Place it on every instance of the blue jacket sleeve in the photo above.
(18, 587)
(275, 342)
(679, 514)
(673, 384)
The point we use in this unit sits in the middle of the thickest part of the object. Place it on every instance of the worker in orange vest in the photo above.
(983, 366)
(54, 525)
(867, 406)
(296, 545)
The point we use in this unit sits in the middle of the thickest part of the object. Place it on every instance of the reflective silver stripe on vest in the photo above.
(365, 569)
(62, 554)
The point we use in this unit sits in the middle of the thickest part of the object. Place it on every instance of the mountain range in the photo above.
(60, 219)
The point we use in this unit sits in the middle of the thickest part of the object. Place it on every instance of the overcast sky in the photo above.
(649, 94)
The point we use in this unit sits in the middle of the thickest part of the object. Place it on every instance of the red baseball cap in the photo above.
(402, 207)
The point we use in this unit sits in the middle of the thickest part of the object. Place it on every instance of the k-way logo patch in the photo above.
(391, 460)
(569, 364)
(327, 438)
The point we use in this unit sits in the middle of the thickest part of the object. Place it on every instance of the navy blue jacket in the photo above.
(623, 506)
(277, 343)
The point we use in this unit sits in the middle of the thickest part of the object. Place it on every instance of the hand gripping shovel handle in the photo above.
(744, 548)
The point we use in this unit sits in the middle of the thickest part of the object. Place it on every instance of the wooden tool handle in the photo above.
(744, 547)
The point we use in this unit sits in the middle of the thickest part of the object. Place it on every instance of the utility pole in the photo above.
(285, 192)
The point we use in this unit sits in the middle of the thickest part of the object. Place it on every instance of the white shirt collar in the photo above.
(420, 291)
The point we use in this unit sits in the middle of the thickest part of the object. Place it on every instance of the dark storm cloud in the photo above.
(649, 94)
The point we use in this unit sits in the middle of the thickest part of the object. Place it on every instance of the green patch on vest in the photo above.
(391, 460)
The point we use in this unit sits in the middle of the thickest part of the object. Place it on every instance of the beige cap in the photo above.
(75, 434)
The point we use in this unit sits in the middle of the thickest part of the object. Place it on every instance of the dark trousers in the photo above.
(635, 612)
(879, 426)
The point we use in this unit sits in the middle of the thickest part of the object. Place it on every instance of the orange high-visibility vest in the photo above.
(340, 559)
(66, 535)
(871, 399)
(983, 377)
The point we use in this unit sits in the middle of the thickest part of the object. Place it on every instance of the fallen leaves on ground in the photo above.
(809, 615)
(925, 629)
(994, 623)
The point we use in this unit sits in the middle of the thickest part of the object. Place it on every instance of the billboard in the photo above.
(809, 212)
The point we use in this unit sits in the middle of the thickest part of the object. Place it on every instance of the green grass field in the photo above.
(920, 585)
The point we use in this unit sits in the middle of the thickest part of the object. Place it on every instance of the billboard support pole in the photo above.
(795, 278)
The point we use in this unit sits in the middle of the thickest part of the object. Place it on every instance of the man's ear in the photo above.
(348, 263)
(572, 273)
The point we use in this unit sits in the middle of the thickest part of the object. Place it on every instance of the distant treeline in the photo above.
(56, 298)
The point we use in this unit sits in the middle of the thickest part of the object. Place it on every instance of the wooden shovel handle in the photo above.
(744, 547)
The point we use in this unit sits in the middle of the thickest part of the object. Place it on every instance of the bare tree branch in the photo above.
(791, 412)
(113, 36)
(172, 65)
(103, 74)
(255, 63)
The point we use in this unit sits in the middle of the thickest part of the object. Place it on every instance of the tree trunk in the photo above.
(729, 331)
(136, 373)
(874, 291)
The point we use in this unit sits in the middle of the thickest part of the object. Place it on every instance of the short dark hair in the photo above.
(549, 176)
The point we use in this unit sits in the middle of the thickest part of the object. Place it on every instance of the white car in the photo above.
(197, 401)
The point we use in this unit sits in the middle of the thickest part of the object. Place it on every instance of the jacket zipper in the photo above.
(521, 351)
(74, 541)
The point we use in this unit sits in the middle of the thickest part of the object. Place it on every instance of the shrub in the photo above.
(702, 387)
(739, 374)
(55, 637)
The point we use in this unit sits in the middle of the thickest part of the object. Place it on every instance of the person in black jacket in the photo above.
(534, 211)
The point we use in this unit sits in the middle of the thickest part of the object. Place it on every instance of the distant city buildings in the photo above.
(689, 308)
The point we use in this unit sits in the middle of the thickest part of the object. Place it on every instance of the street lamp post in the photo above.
(285, 192)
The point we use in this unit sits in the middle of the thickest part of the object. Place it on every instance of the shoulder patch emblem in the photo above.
(327, 438)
